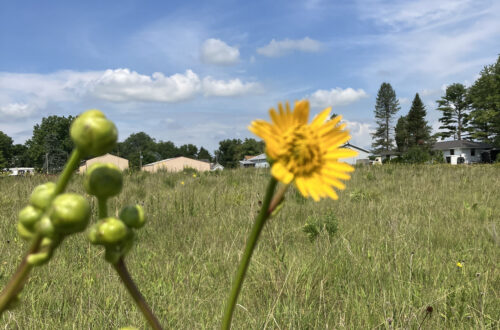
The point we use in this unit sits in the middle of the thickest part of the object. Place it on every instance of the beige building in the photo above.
(122, 163)
(176, 164)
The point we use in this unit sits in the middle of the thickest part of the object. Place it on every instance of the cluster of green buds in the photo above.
(52, 215)
(115, 234)
(51, 218)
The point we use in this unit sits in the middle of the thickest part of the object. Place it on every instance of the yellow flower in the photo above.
(194, 175)
(306, 153)
(459, 264)
(182, 182)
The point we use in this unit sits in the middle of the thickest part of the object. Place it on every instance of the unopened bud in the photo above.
(108, 231)
(133, 216)
(45, 227)
(24, 232)
(103, 180)
(93, 133)
(29, 216)
(42, 195)
(70, 213)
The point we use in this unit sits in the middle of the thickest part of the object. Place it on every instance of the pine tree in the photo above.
(455, 107)
(484, 96)
(401, 134)
(418, 130)
(386, 107)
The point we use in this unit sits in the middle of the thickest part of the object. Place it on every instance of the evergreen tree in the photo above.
(418, 129)
(386, 107)
(455, 108)
(484, 96)
(401, 134)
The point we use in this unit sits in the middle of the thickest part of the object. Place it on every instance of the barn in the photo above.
(122, 163)
(176, 164)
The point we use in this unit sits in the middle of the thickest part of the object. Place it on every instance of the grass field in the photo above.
(401, 230)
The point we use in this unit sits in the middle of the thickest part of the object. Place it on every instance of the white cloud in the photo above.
(284, 47)
(336, 97)
(16, 110)
(403, 100)
(123, 85)
(429, 41)
(232, 87)
(215, 51)
(360, 133)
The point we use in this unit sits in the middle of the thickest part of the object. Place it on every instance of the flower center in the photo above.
(302, 153)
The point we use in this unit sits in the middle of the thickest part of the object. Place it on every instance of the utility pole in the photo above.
(47, 161)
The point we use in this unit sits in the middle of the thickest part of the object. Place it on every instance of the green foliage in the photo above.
(50, 141)
(203, 154)
(315, 225)
(484, 96)
(386, 107)
(231, 151)
(6, 149)
(416, 126)
(417, 155)
(401, 135)
(138, 144)
(455, 108)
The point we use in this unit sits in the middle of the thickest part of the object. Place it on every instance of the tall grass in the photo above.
(401, 231)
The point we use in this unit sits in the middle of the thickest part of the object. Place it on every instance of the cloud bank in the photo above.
(215, 51)
(336, 97)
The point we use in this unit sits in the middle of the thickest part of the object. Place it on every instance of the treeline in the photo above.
(51, 145)
(466, 113)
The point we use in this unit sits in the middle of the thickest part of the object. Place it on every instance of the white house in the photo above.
(216, 167)
(463, 151)
(361, 158)
(255, 161)
(21, 170)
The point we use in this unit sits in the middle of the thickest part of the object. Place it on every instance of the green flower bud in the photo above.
(70, 213)
(103, 180)
(133, 216)
(38, 259)
(42, 195)
(45, 227)
(24, 232)
(93, 134)
(29, 216)
(108, 231)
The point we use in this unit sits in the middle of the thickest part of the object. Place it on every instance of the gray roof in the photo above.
(460, 144)
(348, 145)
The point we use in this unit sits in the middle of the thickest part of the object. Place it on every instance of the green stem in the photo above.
(17, 280)
(247, 255)
(136, 294)
(71, 166)
(103, 207)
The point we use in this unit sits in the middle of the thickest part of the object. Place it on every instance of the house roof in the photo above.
(460, 144)
(348, 145)
(166, 160)
(83, 162)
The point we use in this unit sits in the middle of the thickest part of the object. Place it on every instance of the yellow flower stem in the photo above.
(103, 207)
(121, 269)
(16, 283)
(264, 214)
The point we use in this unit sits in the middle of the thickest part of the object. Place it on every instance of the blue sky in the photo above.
(200, 71)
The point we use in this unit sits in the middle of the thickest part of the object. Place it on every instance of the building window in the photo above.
(452, 151)
(473, 152)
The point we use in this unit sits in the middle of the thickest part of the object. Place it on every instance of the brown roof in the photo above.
(248, 157)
